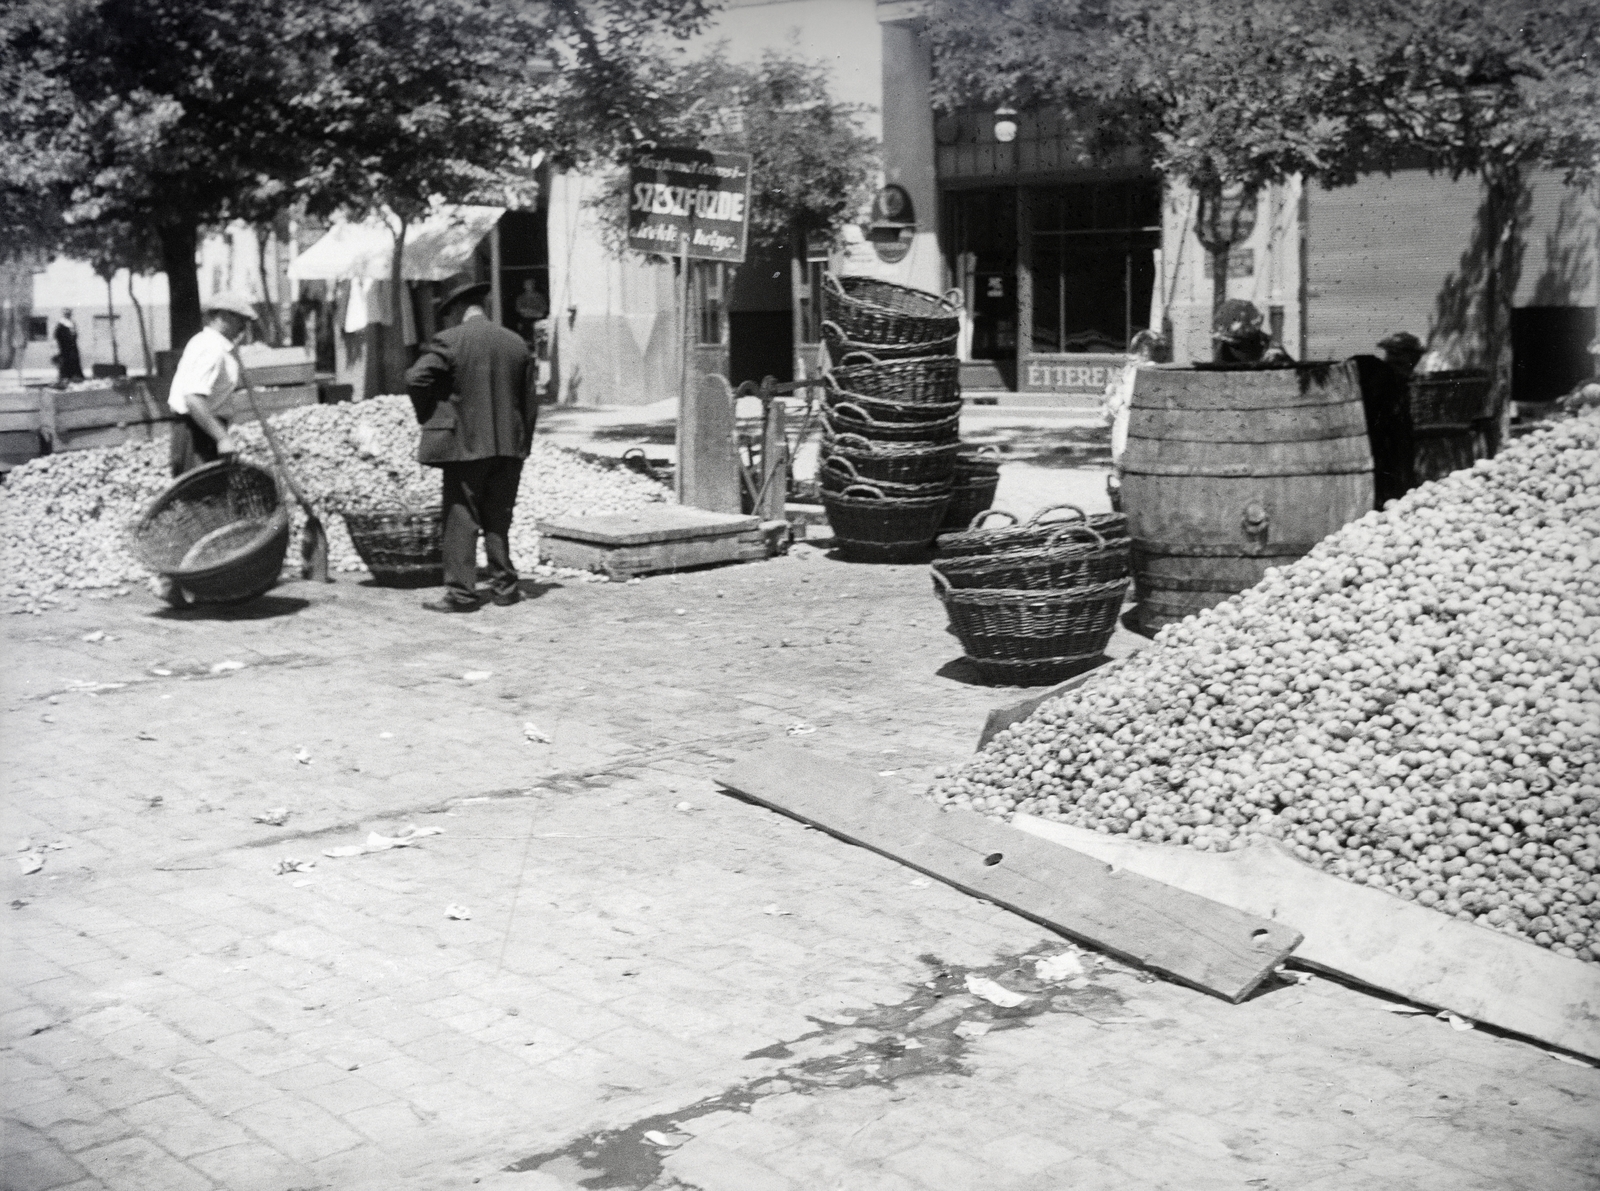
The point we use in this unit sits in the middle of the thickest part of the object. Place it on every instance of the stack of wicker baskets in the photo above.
(891, 419)
(1034, 603)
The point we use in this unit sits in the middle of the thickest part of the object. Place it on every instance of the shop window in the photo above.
(38, 327)
(1093, 264)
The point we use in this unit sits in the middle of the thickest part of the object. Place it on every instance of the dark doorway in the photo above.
(1549, 351)
(761, 318)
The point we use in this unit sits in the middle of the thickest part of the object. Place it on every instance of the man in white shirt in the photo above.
(203, 387)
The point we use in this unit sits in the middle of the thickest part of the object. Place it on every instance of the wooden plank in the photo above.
(111, 436)
(1201, 943)
(265, 366)
(17, 403)
(19, 446)
(647, 526)
(1375, 938)
(27, 421)
(623, 562)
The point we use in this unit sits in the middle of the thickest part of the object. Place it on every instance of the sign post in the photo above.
(695, 204)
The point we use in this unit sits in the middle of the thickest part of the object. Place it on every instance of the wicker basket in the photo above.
(1449, 399)
(837, 473)
(220, 532)
(1032, 625)
(971, 496)
(865, 515)
(844, 417)
(1034, 671)
(883, 410)
(872, 311)
(841, 346)
(401, 547)
(918, 379)
(916, 463)
(1075, 556)
(976, 539)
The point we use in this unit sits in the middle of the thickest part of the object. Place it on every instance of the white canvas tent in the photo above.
(437, 248)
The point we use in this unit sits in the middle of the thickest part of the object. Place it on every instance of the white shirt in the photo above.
(208, 369)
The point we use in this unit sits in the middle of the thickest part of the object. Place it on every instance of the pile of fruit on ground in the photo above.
(64, 518)
(1415, 705)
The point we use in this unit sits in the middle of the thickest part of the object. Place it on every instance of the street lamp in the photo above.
(1005, 124)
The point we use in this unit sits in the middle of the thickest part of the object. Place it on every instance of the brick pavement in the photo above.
(176, 1015)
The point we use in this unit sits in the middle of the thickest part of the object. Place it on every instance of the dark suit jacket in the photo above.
(475, 392)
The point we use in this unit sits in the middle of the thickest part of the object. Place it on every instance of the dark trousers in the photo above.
(479, 494)
(191, 446)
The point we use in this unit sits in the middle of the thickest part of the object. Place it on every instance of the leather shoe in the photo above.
(504, 599)
(449, 606)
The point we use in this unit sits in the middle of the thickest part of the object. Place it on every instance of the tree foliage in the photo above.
(170, 115)
(812, 168)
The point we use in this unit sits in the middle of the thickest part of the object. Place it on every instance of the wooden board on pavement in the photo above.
(651, 540)
(1202, 943)
(1373, 937)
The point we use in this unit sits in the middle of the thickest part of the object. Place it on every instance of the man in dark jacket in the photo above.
(474, 391)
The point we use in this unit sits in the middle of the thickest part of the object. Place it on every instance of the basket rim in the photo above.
(277, 523)
(944, 304)
(995, 596)
(189, 479)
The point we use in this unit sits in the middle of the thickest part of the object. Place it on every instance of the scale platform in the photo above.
(651, 540)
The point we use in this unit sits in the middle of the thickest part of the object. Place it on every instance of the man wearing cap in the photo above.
(474, 391)
(203, 387)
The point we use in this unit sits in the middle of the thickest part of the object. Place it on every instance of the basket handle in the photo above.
(877, 493)
(864, 357)
(986, 449)
(866, 444)
(977, 522)
(1077, 530)
(941, 585)
(836, 462)
(954, 298)
(830, 282)
(850, 405)
(1039, 516)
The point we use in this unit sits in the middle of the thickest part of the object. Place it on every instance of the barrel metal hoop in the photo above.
(1242, 471)
(1164, 583)
(1230, 550)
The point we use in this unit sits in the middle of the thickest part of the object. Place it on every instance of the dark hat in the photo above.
(1402, 341)
(473, 291)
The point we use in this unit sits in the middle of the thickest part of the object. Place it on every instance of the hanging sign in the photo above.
(690, 201)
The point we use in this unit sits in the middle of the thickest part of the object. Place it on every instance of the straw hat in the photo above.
(233, 303)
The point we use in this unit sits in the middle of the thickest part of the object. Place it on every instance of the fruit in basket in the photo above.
(64, 518)
(1415, 705)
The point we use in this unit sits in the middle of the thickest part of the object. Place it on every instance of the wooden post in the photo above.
(1024, 283)
(685, 432)
(774, 463)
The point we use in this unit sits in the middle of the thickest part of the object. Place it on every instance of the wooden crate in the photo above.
(274, 401)
(267, 366)
(21, 425)
(656, 538)
(108, 417)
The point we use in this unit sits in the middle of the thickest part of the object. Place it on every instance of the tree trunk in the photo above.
(397, 309)
(111, 321)
(178, 244)
(1219, 291)
(144, 335)
(1504, 189)
(274, 331)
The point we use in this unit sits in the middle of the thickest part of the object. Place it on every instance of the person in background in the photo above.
(475, 395)
(1402, 351)
(204, 384)
(69, 364)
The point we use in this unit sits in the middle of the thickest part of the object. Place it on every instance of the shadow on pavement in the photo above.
(263, 608)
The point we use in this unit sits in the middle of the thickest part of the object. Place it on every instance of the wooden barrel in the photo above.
(1229, 473)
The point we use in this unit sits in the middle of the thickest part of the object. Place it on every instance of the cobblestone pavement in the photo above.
(646, 982)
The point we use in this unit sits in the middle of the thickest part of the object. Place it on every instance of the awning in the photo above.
(436, 248)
